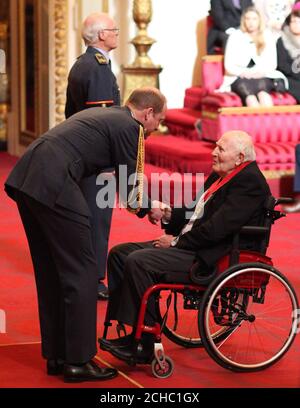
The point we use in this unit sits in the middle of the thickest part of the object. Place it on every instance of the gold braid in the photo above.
(139, 181)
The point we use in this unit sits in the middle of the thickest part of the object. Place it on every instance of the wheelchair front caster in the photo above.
(163, 368)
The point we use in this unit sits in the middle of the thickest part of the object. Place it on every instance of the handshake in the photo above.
(159, 211)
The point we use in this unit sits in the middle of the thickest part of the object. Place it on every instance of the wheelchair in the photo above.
(246, 318)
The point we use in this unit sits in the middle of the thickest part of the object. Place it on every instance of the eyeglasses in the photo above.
(113, 30)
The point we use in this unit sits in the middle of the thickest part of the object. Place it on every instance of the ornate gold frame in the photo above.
(105, 6)
(26, 135)
(60, 56)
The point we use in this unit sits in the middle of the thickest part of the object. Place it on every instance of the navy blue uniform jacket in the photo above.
(91, 83)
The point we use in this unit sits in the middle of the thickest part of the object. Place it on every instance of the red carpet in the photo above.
(21, 363)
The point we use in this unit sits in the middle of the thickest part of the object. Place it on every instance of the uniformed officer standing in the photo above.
(91, 83)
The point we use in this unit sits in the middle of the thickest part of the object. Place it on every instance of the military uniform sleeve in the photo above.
(70, 107)
(100, 89)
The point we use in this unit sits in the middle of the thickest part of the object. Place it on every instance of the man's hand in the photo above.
(163, 242)
(155, 215)
(157, 211)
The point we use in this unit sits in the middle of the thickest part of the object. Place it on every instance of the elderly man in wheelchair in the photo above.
(192, 261)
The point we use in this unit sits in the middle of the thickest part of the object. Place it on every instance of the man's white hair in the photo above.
(91, 26)
(243, 143)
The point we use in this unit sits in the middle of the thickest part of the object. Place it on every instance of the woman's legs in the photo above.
(264, 87)
(245, 88)
(265, 99)
(254, 92)
(252, 101)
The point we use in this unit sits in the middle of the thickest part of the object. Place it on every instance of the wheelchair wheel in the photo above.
(181, 325)
(166, 371)
(260, 307)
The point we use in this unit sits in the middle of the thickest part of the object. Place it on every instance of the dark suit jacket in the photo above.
(225, 15)
(238, 203)
(91, 83)
(87, 142)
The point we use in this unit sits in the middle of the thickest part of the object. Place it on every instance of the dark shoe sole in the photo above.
(78, 379)
(54, 368)
(108, 347)
(132, 360)
(55, 372)
(103, 347)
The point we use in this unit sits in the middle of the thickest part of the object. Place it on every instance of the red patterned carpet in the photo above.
(21, 364)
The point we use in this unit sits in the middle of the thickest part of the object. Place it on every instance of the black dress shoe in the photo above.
(88, 372)
(120, 342)
(142, 356)
(55, 367)
(103, 294)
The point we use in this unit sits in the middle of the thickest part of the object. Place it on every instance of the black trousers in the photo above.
(100, 222)
(66, 280)
(132, 268)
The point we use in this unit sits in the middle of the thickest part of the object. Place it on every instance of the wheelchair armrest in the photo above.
(254, 230)
(284, 200)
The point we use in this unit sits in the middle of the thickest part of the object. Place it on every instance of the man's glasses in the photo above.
(113, 30)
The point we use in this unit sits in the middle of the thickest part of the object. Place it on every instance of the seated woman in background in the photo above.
(288, 50)
(250, 62)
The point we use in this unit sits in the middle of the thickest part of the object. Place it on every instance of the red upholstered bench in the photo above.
(224, 111)
(181, 122)
(275, 130)
(276, 156)
(178, 154)
(193, 97)
(276, 124)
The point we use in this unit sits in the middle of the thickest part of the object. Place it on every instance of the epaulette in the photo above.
(101, 59)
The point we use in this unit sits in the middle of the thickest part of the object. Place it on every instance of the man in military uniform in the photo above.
(56, 218)
(91, 83)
